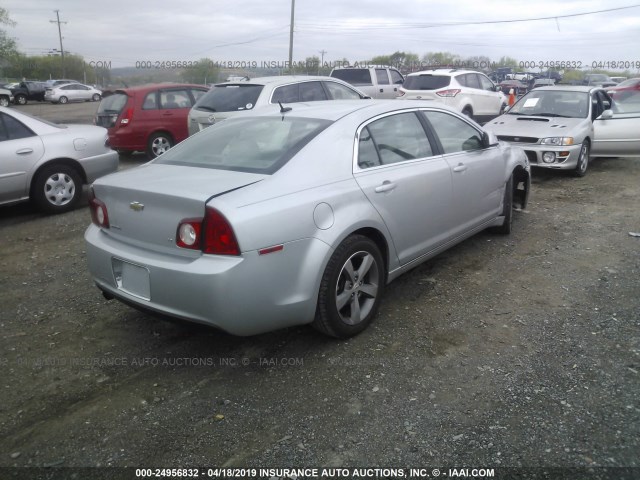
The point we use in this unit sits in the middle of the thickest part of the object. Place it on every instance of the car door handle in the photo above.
(382, 90)
(167, 114)
(386, 186)
(460, 168)
(24, 151)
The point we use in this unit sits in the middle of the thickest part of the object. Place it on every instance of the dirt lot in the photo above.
(519, 351)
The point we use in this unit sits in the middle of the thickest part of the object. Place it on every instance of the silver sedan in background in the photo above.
(300, 214)
(72, 92)
(49, 163)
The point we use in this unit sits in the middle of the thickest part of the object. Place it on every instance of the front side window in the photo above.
(396, 78)
(393, 139)
(454, 134)
(485, 83)
(340, 92)
(312, 92)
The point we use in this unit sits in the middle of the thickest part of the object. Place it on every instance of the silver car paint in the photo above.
(309, 206)
(21, 158)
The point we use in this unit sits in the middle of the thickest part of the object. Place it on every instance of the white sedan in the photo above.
(72, 92)
(49, 163)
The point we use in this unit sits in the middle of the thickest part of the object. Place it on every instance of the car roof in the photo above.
(335, 109)
(569, 88)
(155, 86)
(442, 71)
(280, 80)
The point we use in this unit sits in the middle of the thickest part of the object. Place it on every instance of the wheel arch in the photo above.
(69, 162)
(160, 130)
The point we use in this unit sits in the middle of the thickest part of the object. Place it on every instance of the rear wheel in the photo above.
(57, 189)
(4, 101)
(351, 288)
(158, 144)
(63, 100)
(468, 112)
(583, 160)
(95, 98)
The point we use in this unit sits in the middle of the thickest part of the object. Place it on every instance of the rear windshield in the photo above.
(354, 76)
(254, 145)
(426, 82)
(113, 103)
(229, 98)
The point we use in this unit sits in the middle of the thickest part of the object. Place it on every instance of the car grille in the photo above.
(514, 139)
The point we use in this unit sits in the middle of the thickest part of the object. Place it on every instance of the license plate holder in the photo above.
(131, 278)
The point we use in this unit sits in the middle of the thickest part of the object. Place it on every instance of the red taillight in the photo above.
(126, 118)
(213, 234)
(448, 93)
(99, 214)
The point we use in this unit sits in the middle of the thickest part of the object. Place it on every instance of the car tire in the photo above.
(4, 101)
(507, 210)
(57, 188)
(158, 144)
(63, 100)
(21, 99)
(468, 112)
(96, 97)
(351, 287)
(583, 160)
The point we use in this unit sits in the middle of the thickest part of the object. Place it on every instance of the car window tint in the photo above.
(150, 101)
(382, 77)
(255, 145)
(14, 129)
(454, 134)
(340, 92)
(426, 82)
(354, 76)
(286, 94)
(398, 138)
(171, 99)
(229, 98)
(312, 92)
(396, 78)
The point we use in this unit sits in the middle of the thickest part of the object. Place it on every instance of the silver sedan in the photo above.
(49, 163)
(72, 92)
(299, 215)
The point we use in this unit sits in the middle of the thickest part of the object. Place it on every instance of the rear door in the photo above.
(174, 106)
(618, 136)
(384, 86)
(406, 181)
(20, 150)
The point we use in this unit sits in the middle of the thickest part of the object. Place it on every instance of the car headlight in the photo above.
(557, 141)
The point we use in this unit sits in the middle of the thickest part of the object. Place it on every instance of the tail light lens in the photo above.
(99, 214)
(126, 118)
(448, 93)
(212, 235)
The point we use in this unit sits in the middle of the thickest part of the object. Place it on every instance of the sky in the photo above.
(125, 32)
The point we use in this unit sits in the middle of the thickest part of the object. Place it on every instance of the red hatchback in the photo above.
(149, 118)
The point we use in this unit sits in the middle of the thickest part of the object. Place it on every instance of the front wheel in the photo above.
(95, 98)
(63, 100)
(21, 99)
(351, 288)
(57, 189)
(4, 101)
(158, 144)
(583, 160)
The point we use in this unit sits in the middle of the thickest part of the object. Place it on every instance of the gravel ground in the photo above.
(518, 351)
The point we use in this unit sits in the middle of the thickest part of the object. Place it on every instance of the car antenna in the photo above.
(284, 109)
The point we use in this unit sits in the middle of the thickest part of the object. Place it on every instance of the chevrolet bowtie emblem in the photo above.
(136, 206)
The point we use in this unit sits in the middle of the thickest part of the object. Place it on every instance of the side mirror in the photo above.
(498, 88)
(489, 139)
(606, 115)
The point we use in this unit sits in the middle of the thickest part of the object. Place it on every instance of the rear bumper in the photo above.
(243, 295)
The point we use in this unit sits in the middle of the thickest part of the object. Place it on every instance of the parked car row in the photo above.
(55, 91)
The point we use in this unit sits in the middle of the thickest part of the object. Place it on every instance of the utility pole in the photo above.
(60, 35)
(321, 52)
(293, 7)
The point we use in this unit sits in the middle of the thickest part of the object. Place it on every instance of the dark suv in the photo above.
(28, 91)
(150, 118)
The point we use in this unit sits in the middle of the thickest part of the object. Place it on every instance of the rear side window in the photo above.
(286, 94)
(393, 139)
(354, 76)
(12, 129)
(150, 101)
(382, 77)
(426, 82)
(340, 92)
(229, 98)
(171, 99)
(254, 145)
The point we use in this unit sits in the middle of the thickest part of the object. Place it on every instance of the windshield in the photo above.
(229, 98)
(546, 103)
(426, 82)
(253, 145)
(113, 103)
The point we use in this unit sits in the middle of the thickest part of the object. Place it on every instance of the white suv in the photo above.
(471, 93)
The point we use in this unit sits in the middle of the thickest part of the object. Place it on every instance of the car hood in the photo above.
(534, 126)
